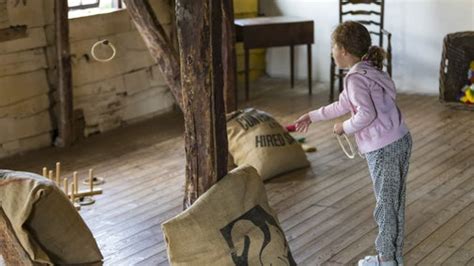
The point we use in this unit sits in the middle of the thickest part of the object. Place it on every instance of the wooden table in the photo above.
(264, 32)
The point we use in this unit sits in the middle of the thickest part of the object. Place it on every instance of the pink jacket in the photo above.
(369, 94)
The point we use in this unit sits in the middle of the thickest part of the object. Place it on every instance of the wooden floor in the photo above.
(325, 211)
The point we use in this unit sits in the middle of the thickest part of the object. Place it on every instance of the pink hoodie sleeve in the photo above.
(358, 89)
(331, 111)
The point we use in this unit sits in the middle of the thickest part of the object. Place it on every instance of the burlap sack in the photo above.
(44, 221)
(257, 139)
(231, 224)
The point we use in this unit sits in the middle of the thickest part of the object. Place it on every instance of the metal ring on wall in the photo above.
(106, 43)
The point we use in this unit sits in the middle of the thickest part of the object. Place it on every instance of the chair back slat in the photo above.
(361, 12)
(356, 2)
(368, 22)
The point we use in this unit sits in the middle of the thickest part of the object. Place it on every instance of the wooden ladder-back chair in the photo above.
(370, 13)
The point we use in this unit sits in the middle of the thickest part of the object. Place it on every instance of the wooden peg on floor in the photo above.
(58, 169)
(91, 180)
(65, 186)
(73, 197)
(73, 188)
(74, 181)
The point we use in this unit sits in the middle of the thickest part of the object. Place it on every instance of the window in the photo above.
(81, 8)
(83, 4)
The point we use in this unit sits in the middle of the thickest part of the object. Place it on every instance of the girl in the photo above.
(379, 129)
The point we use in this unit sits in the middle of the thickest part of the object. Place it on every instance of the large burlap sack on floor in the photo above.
(257, 139)
(231, 224)
(45, 222)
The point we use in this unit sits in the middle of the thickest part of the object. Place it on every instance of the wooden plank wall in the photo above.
(24, 89)
(128, 88)
(125, 90)
(4, 21)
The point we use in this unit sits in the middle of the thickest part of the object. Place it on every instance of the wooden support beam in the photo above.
(199, 25)
(228, 56)
(158, 43)
(65, 103)
(196, 81)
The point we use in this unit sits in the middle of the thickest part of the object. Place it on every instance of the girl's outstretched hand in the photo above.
(302, 123)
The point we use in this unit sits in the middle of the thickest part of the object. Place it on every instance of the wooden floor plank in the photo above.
(448, 244)
(463, 256)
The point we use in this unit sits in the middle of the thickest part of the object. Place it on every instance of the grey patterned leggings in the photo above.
(388, 168)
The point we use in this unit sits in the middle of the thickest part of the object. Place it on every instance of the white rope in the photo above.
(106, 43)
(351, 147)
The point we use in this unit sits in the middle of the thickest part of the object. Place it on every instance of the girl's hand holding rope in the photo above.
(338, 129)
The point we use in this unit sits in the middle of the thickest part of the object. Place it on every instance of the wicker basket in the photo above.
(458, 52)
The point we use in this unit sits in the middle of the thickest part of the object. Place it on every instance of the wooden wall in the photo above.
(127, 89)
(24, 90)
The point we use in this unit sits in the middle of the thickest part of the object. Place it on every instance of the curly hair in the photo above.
(355, 39)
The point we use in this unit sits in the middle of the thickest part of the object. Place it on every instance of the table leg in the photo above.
(310, 80)
(292, 65)
(247, 74)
